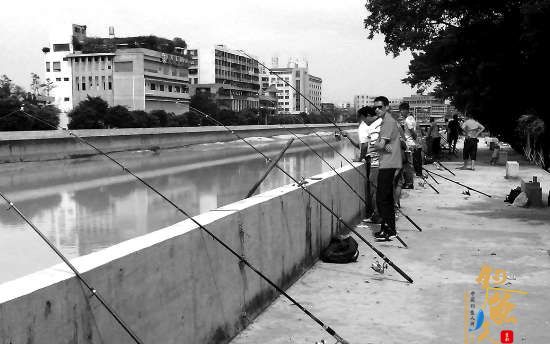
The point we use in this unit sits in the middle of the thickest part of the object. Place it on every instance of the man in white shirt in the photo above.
(471, 129)
(369, 128)
(413, 149)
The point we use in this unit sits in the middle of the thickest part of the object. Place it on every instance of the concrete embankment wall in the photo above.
(51, 145)
(177, 285)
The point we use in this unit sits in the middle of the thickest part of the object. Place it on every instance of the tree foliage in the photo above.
(487, 57)
(13, 98)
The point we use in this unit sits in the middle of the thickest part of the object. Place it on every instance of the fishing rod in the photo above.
(340, 176)
(350, 228)
(327, 328)
(453, 181)
(327, 163)
(334, 149)
(331, 122)
(430, 185)
(84, 281)
(435, 180)
(451, 172)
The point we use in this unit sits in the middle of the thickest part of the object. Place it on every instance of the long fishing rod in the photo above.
(327, 163)
(430, 185)
(453, 181)
(350, 228)
(327, 328)
(84, 281)
(330, 121)
(334, 149)
(429, 175)
(340, 176)
(445, 167)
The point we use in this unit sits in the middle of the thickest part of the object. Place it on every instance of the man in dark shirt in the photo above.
(453, 129)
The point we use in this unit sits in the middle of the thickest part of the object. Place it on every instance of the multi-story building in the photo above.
(58, 69)
(362, 100)
(230, 75)
(424, 107)
(289, 101)
(138, 78)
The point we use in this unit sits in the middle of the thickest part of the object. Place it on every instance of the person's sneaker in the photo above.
(383, 235)
(391, 233)
(379, 234)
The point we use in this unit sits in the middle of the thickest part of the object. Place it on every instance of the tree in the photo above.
(119, 117)
(89, 114)
(140, 118)
(48, 86)
(204, 101)
(13, 98)
(35, 84)
(472, 52)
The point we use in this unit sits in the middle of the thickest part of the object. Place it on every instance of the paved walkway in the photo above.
(460, 234)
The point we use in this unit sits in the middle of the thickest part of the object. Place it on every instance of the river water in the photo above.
(84, 205)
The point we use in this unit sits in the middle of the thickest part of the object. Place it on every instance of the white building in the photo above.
(362, 100)
(289, 101)
(231, 75)
(58, 69)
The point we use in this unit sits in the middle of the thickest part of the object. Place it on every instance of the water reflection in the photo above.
(85, 205)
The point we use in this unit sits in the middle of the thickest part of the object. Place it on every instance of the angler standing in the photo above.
(367, 133)
(472, 129)
(389, 148)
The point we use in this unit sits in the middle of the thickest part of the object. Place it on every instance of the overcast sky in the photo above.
(329, 34)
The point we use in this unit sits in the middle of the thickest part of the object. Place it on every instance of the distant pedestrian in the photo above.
(389, 147)
(413, 151)
(472, 129)
(453, 130)
(434, 139)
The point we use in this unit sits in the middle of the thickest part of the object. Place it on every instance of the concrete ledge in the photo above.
(51, 145)
(177, 284)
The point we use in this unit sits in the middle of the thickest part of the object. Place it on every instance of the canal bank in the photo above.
(21, 146)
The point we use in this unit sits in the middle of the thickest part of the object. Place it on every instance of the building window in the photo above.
(61, 47)
(127, 66)
(57, 79)
(77, 83)
(83, 86)
(65, 79)
(97, 83)
(161, 87)
(110, 83)
(47, 66)
(153, 87)
(66, 99)
(169, 88)
(177, 89)
(103, 81)
(91, 82)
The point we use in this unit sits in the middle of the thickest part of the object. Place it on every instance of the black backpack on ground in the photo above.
(340, 251)
(512, 195)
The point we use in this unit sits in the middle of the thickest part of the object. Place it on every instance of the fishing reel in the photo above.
(380, 268)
